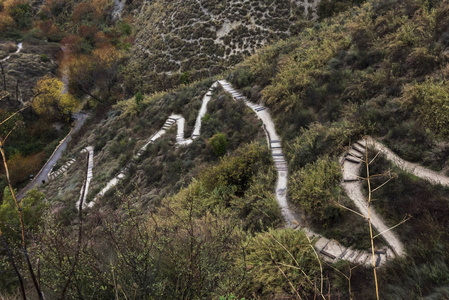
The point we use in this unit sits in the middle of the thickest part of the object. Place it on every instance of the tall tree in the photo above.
(51, 101)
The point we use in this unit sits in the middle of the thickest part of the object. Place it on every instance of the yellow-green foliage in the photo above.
(288, 250)
(51, 101)
(218, 144)
(315, 189)
(236, 170)
(429, 100)
(318, 140)
(298, 69)
(33, 208)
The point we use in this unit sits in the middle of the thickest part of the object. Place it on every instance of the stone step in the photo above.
(358, 148)
(354, 153)
(353, 160)
(327, 254)
(350, 180)
(360, 143)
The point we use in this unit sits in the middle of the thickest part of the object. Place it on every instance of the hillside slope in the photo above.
(201, 221)
(179, 41)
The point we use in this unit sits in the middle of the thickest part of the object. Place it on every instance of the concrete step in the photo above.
(358, 148)
(354, 153)
(352, 160)
(361, 144)
(350, 180)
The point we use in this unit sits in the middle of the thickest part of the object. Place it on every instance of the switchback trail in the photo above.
(330, 250)
(412, 168)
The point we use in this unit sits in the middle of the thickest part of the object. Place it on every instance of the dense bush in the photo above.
(218, 144)
(315, 189)
(428, 100)
(277, 257)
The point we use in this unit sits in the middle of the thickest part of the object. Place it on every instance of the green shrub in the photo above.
(218, 144)
(270, 252)
(125, 28)
(44, 57)
(237, 170)
(316, 141)
(22, 14)
(138, 97)
(315, 189)
(430, 102)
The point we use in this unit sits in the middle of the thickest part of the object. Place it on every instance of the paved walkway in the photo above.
(46, 169)
(90, 164)
(351, 166)
(330, 250)
(412, 168)
(180, 139)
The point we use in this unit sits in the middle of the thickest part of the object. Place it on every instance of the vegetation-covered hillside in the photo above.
(380, 70)
(201, 220)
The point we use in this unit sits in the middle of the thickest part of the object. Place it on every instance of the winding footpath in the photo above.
(352, 184)
(329, 249)
(412, 168)
(90, 165)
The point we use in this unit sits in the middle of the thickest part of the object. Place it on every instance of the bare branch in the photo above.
(4, 121)
(406, 218)
(389, 179)
(351, 210)
(374, 158)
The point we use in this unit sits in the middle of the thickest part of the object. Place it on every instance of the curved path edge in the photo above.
(44, 172)
(412, 168)
(351, 163)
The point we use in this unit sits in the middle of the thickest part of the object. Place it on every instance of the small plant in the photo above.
(138, 97)
(218, 144)
(44, 57)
